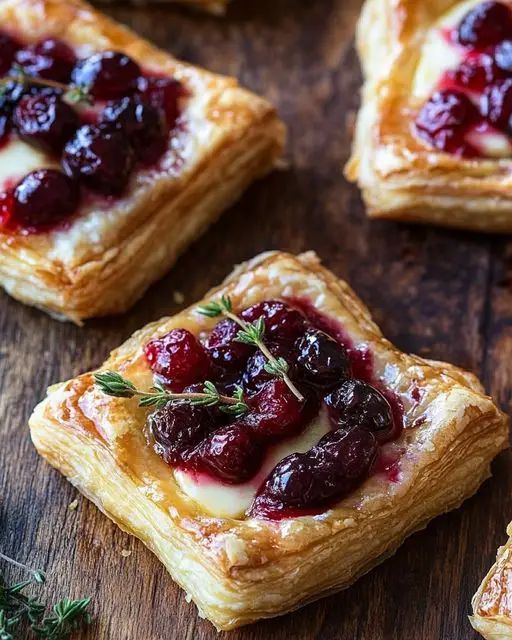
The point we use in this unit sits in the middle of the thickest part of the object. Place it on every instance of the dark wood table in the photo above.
(438, 293)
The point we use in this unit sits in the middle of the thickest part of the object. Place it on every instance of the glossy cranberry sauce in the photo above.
(332, 376)
(125, 126)
(475, 98)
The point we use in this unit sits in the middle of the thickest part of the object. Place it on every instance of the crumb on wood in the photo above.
(73, 505)
(126, 553)
(178, 297)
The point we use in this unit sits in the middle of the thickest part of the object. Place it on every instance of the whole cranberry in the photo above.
(8, 48)
(142, 124)
(231, 453)
(256, 374)
(177, 428)
(322, 361)
(357, 403)
(475, 74)
(227, 355)
(107, 75)
(444, 120)
(163, 94)
(178, 358)
(318, 478)
(485, 25)
(49, 58)
(44, 199)
(497, 105)
(275, 411)
(282, 322)
(45, 121)
(100, 158)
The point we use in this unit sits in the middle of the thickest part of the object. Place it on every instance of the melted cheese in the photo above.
(232, 501)
(17, 159)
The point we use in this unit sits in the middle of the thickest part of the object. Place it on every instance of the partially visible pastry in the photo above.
(114, 157)
(213, 6)
(434, 133)
(268, 444)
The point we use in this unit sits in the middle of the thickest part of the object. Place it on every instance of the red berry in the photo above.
(164, 94)
(322, 361)
(276, 411)
(108, 74)
(50, 59)
(485, 25)
(497, 105)
(256, 374)
(227, 355)
(282, 322)
(178, 358)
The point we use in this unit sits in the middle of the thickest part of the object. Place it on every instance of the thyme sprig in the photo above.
(112, 383)
(72, 93)
(19, 610)
(252, 334)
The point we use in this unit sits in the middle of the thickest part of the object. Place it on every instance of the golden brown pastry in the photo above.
(433, 141)
(286, 499)
(492, 603)
(140, 205)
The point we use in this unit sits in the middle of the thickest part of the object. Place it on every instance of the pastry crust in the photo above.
(401, 177)
(217, 7)
(492, 603)
(107, 257)
(240, 570)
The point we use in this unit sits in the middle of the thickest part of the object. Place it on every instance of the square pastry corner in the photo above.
(137, 205)
(432, 141)
(241, 558)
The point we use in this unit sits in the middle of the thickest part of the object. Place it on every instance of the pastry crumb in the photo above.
(178, 297)
(126, 553)
(188, 597)
(72, 506)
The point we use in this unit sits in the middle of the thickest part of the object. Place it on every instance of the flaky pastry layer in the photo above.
(401, 177)
(112, 252)
(240, 570)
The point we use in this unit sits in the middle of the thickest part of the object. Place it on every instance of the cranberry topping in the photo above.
(326, 473)
(42, 200)
(358, 404)
(503, 56)
(497, 105)
(473, 75)
(282, 322)
(109, 74)
(178, 358)
(444, 120)
(178, 428)
(50, 58)
(485, 25)
(142, 123)
(164, 94)
(256, 374)
(227, 356)
(231, 454)
(323, 362)
(102, 159)
(45, 121)
(8, 49)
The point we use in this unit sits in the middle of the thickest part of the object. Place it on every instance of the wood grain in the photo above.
(439, 293)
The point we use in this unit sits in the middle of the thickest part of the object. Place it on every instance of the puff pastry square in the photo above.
(113, 251)
(400, 44)
(240, 569)
(492, 604)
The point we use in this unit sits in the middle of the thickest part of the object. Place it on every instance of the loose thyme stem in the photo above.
(73, 93)
(39, 576)
(252, 334)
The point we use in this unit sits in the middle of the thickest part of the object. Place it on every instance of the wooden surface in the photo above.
(437, 293)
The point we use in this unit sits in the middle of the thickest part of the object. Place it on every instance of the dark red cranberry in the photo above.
(178, 428)
(163, 94)
(444, 120)
(318, 478)
(43, 199)
(474, 74)
(178, 358)
(50, 59)
(256, 374)
(276, 411)
(497, 105)
(45, 121)
(503, 56)
(143, 124)
(102, 159)
(8, 48)
(282, 322)
(231, 454)
(227, 355)
(485, 25)
(109, 74)
(357, 403)
(322, 361)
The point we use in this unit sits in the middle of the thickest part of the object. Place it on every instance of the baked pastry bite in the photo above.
(283, 446)
(114, 157)
(433, 140)
(492, 603)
